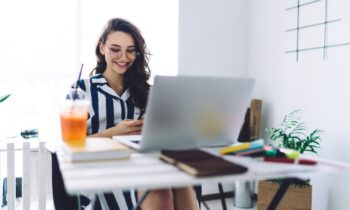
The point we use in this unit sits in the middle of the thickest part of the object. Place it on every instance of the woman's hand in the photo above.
(128, 127)
(125, 127)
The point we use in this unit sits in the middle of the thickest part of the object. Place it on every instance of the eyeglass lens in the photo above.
(117, 52)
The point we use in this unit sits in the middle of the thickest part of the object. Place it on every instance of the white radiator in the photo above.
(34, 161)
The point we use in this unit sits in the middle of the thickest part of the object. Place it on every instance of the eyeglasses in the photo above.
(117, 53)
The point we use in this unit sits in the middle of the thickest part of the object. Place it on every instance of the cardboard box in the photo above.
(296, 197)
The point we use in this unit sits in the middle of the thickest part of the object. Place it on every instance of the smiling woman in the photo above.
(117, 91)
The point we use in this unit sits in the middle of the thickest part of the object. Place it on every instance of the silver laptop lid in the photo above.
(186, 112)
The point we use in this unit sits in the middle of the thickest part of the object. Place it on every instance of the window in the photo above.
(43, 44)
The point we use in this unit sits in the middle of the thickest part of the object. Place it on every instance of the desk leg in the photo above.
(222, 197)
(79, 203)
(282, 190)
(138, 205)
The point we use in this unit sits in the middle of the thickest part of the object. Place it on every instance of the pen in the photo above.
(290, 161)
(243, 147)
(142, 112)
(254, 153)
(235, 148)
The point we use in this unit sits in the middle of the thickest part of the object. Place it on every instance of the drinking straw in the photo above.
(76, 87)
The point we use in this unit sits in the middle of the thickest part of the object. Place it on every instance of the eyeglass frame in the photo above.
(127, 54)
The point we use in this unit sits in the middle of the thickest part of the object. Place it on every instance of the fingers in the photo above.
(135, 133)
(134, 129)
(135, 122)
(132, 126)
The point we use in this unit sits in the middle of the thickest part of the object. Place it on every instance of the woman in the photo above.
(118, 90)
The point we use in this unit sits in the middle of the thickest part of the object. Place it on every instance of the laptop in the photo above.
(187, 112)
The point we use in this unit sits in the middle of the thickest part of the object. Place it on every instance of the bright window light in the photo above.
(43, 44)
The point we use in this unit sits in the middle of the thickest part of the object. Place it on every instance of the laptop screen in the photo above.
(185, 112)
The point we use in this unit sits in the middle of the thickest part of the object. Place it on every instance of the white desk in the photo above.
(146, 171)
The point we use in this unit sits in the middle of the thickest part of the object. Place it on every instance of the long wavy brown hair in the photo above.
(136, 77)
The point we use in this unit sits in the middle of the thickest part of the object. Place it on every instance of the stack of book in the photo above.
(97, 149)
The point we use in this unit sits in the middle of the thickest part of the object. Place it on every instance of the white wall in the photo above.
(317, 86)
(213, 40)
(212, 44)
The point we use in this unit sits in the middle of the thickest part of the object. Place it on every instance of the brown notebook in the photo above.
(200, 163)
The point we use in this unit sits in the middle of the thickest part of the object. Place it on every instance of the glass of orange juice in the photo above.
(73, 116)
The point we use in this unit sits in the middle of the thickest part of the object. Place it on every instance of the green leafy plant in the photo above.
(293, 134)
(3, 98)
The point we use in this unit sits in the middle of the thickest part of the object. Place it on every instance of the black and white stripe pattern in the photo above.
(106, 110)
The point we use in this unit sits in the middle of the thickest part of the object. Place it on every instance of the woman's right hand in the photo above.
(128, 127)
(125, 127)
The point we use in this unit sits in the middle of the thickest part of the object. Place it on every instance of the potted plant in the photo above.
(291, 134)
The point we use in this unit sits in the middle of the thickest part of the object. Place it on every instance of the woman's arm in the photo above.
(126, 127)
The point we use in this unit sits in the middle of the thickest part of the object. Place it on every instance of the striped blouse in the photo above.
(106, 110)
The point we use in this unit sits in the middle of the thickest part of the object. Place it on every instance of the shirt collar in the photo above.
(98, 79)
(103, 86)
